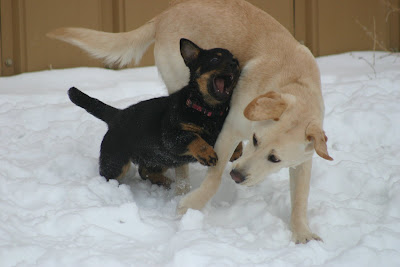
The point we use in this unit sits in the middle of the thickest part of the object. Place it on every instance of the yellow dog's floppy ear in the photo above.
(269, 106)
(315, 133)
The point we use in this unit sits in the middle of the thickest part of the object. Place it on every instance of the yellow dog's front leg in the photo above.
(198, 198)
(299, 189)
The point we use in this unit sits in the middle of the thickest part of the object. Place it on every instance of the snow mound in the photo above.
(55, 209)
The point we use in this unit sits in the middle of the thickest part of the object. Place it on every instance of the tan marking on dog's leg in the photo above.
(202, 152)
(182, 180)
(124, 171)
(190, 127)
(299, 190)
(157, 178)
(237, 153)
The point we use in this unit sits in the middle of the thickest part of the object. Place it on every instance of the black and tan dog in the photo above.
(169, 131)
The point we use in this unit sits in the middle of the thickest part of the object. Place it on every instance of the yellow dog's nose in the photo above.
(237, 176)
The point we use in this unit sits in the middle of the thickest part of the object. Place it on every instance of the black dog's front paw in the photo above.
(202, 152)
(209, 159)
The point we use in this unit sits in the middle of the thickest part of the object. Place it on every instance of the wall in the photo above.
(325, 26)
(336, 26)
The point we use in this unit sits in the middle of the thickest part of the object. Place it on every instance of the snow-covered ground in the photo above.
(55, 209)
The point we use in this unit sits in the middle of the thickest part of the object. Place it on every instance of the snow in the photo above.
(55, 209)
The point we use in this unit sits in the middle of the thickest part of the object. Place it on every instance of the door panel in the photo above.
(326, 27)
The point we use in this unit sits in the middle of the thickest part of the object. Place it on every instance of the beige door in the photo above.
(325, 26)
(336, 26)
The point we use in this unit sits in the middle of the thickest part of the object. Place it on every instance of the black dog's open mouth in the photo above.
(223, 85)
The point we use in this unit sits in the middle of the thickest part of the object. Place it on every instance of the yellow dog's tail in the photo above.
(114, 48)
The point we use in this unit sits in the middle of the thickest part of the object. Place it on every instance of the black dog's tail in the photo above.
(92, 105)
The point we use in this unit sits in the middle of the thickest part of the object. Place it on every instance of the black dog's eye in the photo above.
(273, 158)
(214, 60)
(255, 141)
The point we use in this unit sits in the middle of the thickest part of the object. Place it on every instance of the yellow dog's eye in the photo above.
(272, 158)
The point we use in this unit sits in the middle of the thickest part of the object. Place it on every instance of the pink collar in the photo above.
(203, 110)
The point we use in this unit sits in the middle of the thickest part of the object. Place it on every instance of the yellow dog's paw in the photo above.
(181, 210)
(305, 237)
(188, 202)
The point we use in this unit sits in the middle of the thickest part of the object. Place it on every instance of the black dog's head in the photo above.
(214, 71)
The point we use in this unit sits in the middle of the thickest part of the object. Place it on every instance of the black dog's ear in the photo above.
(189, 51)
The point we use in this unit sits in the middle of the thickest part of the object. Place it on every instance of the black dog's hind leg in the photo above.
(114, 163)
(182, 180)
(113, 166)
(155, 175)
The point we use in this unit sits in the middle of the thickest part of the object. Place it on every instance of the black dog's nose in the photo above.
(237, 176)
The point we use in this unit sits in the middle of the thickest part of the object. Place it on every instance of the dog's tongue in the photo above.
(220, 83)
